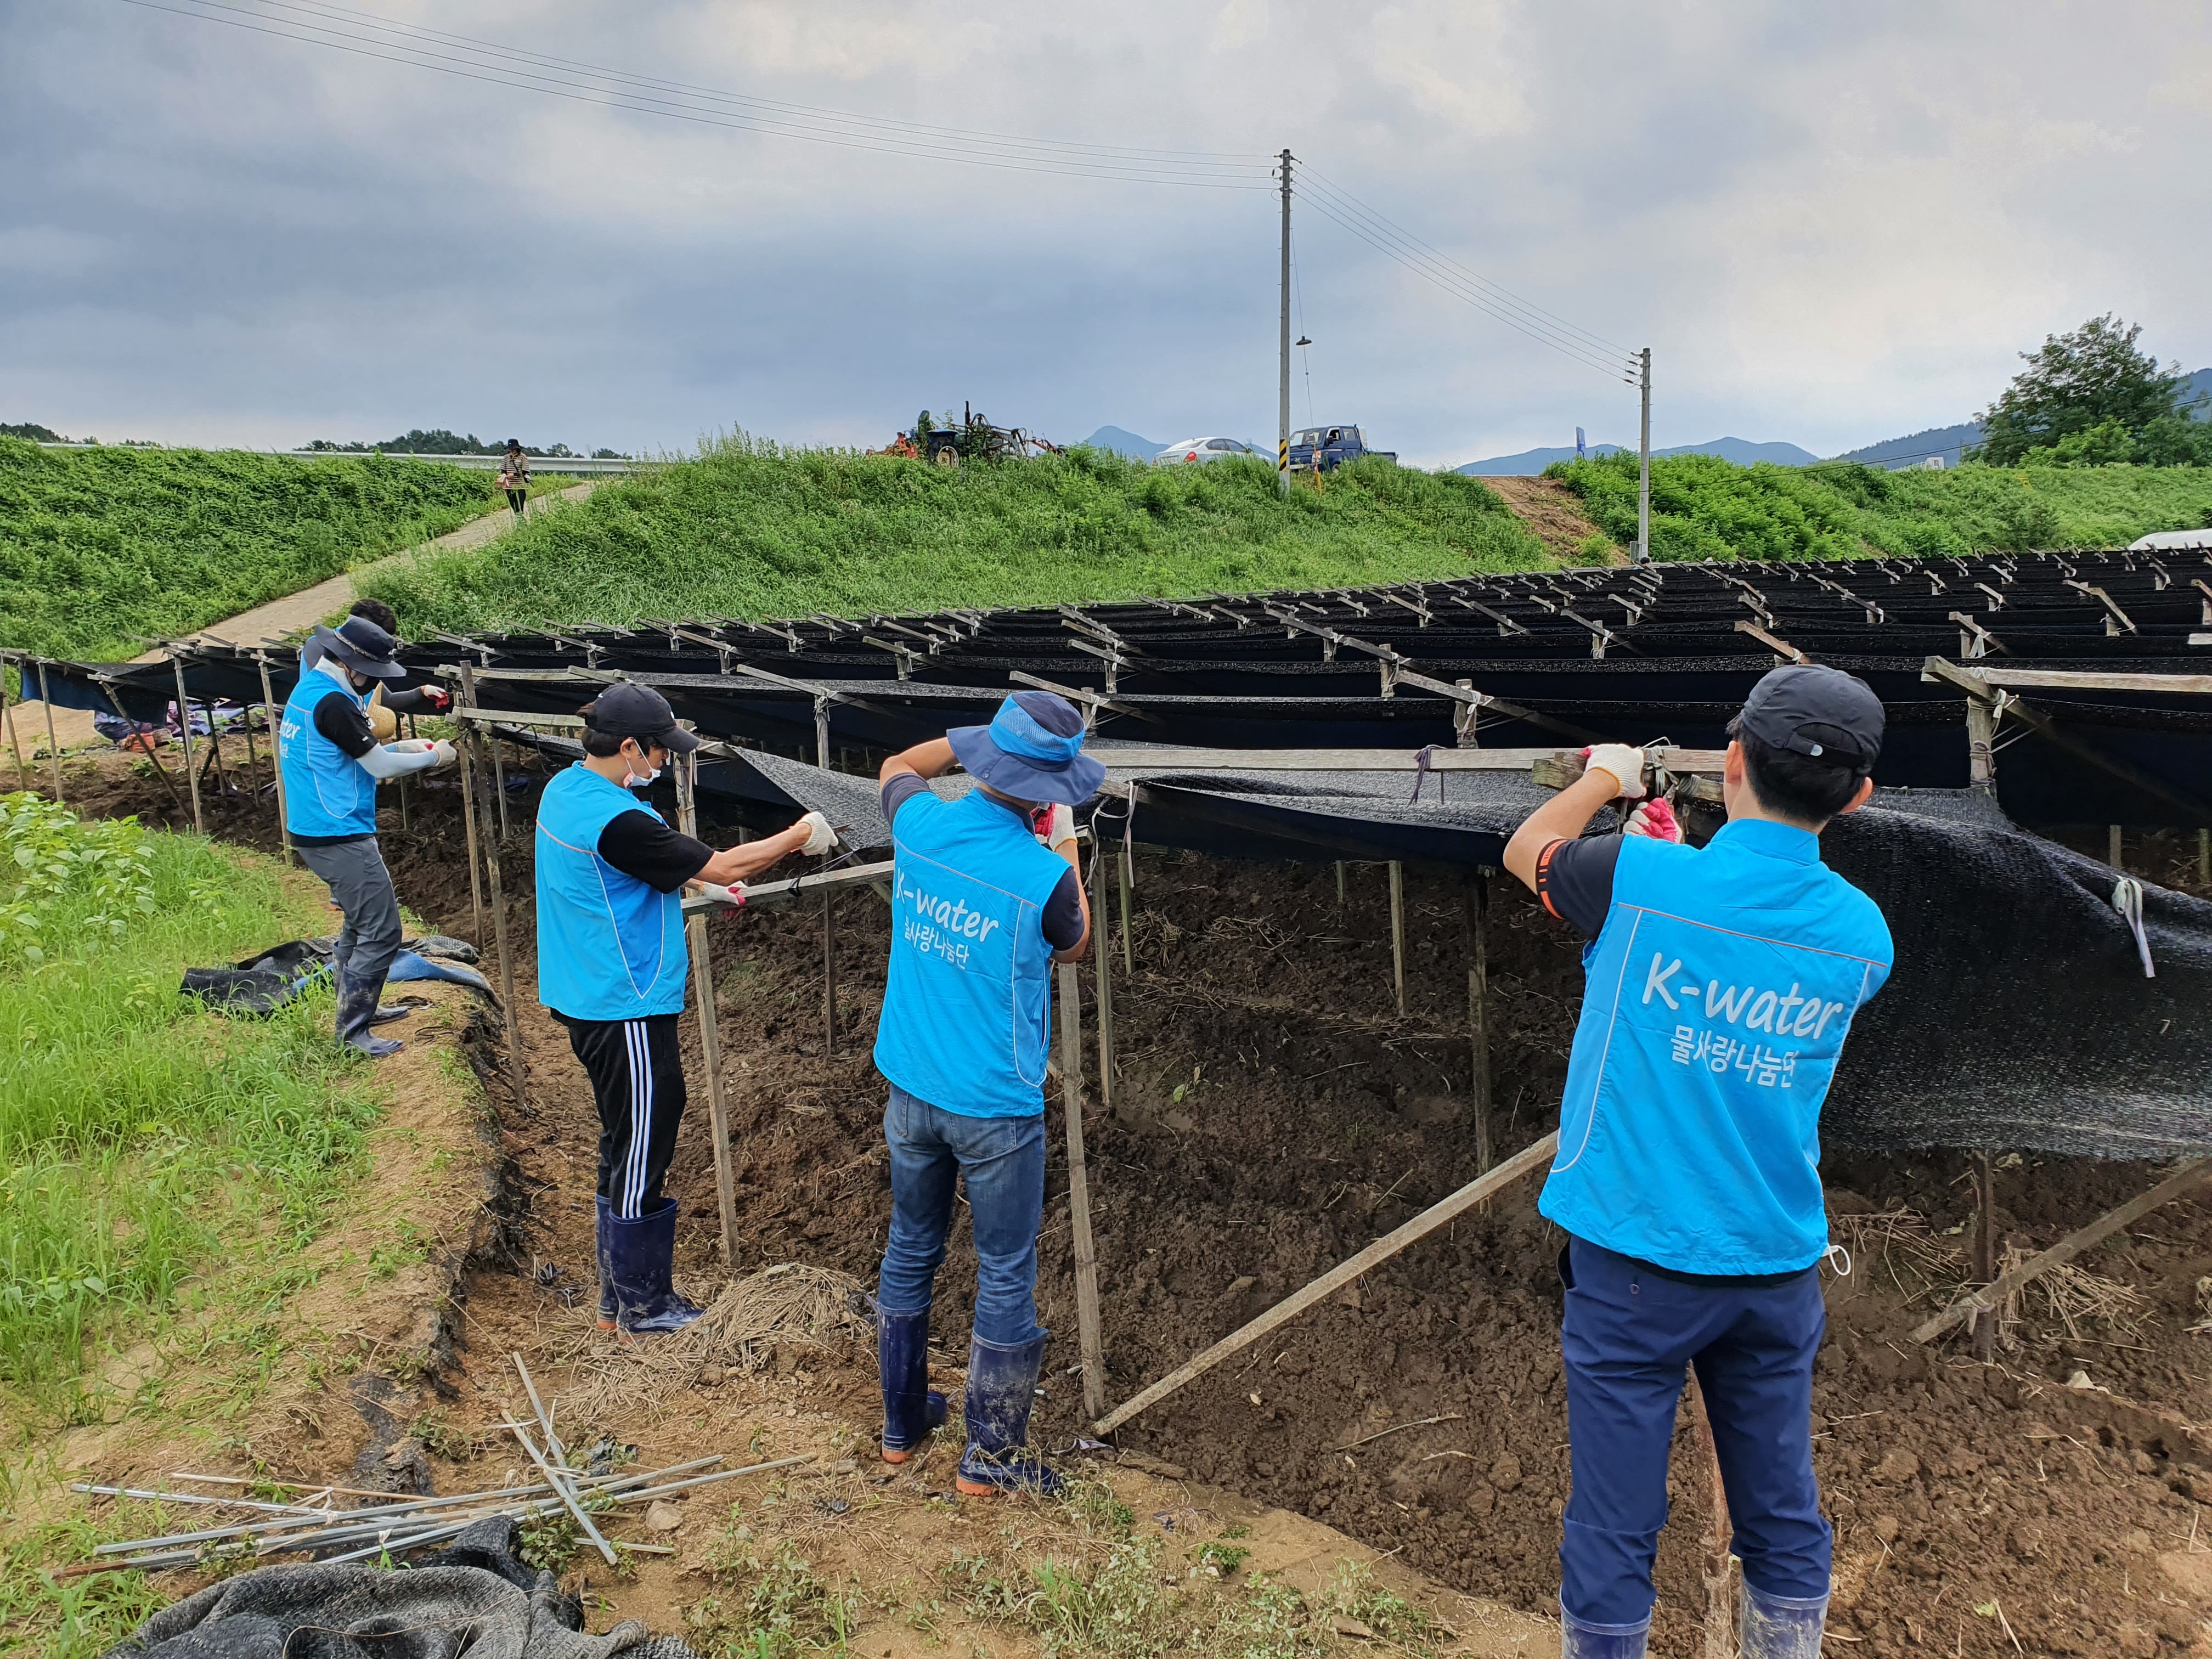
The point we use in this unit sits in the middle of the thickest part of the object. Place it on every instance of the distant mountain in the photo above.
(2195, 395)
(1741, 451)
(1123, 443)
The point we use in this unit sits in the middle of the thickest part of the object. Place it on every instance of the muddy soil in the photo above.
(1273, 1112)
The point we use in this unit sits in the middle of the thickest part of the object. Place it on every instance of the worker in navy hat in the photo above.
(332, 756)
(1722, 981)
(986, 897)
(612, 967)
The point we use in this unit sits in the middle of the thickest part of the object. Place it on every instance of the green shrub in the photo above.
(99, 546)
(751, 530)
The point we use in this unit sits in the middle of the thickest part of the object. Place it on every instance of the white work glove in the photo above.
(734, 894)
(820, 837)
(1060, 826)
(447, 754)
(1624, 764)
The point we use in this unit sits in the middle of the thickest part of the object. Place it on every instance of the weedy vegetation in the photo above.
(752, 530)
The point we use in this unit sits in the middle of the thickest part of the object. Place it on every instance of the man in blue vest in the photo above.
(985, 898)
(612, 967)
(332, 763)
(1722, 982)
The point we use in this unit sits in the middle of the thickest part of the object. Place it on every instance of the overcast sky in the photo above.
(1831, 225)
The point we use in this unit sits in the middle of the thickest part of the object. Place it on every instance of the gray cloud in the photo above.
(1830, 225)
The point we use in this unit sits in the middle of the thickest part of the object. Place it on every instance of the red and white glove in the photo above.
(1622, 761)
(734, 894)
(1656, 819)
(1060, 826)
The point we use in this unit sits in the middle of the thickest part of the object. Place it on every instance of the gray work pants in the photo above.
(362, 887)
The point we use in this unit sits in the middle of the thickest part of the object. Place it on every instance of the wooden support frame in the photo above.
(1090, 1337)
(1398, 936)
(54, 748)
(1102, 970)
(710, 1033)
(1524, 1162)
(7, 705)
(185, 726)
(1992, 1296)
(1680, 761)
(497, 897)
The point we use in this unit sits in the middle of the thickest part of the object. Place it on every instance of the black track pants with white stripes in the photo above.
(637, 1080)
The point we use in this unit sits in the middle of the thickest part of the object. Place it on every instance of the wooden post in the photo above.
(1088, 1336)
(1398, 935)
(1340, 884)
(498, 936)
(710, 1035)
(1981, 755)
(829, 980)
(468, 700)
(2112, 845)
(184, 721)
(1528, 1159)
(215, 750)
(2203, 856)
(153, 754)
(1128, 870)
(7, 706)
(54, 748)
(822, 734)
(498, 785)
(1720, 1600)
(1984, 1255)
(277, 760)
(1101, 972)
(1476, 897)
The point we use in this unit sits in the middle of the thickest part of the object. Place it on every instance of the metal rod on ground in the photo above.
(1088, 1336)
(54, 748)
(1476, 899)
(1398, 936)
(1524, 1162)
(275, 716)
(7, 706)
(184, 720)
(710, 1035)
(469, 805)
(160, 770)
(561, 1491)
(1984, 1254)
(1101, 972)
(1720, 1603)
(1991, 1296)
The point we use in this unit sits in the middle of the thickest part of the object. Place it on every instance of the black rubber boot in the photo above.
(911, 1407)
(639, 1251)
(385, 1012)
(357, 1010)
(1001, 1389)
(600, 1230)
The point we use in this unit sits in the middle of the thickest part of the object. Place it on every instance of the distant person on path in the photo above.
(332, 763)
(612, 966)
(515, 475)
(985, 897)
(1722, 981)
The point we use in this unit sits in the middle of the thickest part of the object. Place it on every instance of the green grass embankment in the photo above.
(750, 529)
(102, 547)
(1705, 507)
(140, 1134)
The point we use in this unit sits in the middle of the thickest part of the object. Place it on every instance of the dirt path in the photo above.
(1553, 513)
(73, 728)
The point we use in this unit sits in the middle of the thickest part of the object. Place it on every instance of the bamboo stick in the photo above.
(566, 1497)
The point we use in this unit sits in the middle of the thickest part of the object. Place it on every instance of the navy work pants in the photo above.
(1627, 1335)
(1003, 1158)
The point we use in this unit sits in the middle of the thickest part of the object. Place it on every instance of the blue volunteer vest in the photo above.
(967, 1017)
(610, 947)
(1719, 991)
(326, 791)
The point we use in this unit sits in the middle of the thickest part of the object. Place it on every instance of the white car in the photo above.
(1192, 451)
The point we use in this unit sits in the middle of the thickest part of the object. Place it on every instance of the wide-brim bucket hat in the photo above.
(1032, 750)
(363, 646)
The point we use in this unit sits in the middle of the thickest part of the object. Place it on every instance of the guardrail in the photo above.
(561, 464)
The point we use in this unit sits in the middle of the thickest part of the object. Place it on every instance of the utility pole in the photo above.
(1643, 481)
(1282, 388)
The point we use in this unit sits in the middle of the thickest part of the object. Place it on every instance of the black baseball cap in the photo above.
(628, 710)
(1820, 712)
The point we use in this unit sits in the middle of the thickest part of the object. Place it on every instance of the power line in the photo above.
(1024, 157)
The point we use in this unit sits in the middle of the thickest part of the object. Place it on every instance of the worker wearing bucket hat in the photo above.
(612, 969)
(986, 897)
(1722, 981)
(332, 763)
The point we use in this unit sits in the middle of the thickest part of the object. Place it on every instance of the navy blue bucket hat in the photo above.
(1032, 750)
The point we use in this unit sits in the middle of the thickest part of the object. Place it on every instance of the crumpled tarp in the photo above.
(263, 983)
(473, 1598)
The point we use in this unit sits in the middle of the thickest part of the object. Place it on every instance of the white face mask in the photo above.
(632, 781)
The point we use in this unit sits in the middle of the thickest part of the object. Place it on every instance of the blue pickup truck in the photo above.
(1325, 448)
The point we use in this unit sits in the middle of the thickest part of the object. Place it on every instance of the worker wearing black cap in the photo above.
(612, 967)
(1722, 982)
(332, 759)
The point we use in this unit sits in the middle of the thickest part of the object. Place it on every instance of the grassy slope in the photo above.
(139, 1133)
(99, 545)
(754, 531)
(1704, 508)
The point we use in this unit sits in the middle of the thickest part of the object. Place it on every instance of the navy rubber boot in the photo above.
(639, 1251)
(1001, 1389)
(607, 1306)
(1781, 1626)
(911, 1407)
(1580, 1641)
(385, 1012)
(356, 1011)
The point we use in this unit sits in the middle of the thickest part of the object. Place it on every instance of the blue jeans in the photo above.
(1003, 1158)
(1627, 1335)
